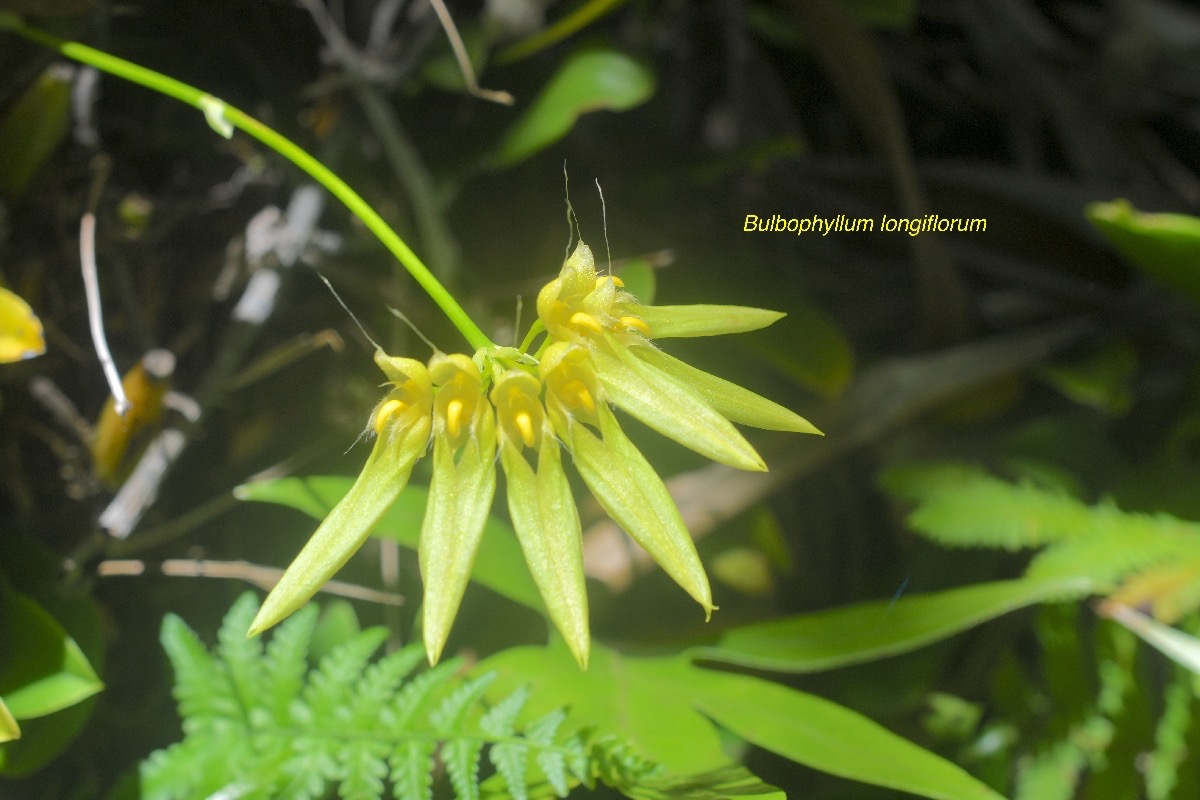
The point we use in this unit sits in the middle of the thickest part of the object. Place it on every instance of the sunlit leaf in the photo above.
(826, 639)
(826, 736)
(667, 707)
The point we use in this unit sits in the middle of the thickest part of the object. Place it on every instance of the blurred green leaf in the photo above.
(338, 623)
(1166, 246)
(499, 565)
(809, 348)
(666, 707)
(640, 281)
(32, 129)
(1101, 379)
(864, 632)
(42, 669)
(443, 70)
(589, 80)
(825, 736)
(583, 15)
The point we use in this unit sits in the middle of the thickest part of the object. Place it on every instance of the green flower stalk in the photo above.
(598, 354)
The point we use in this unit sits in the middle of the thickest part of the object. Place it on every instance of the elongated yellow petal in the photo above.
(634, 496)
(348, 525)
(731, 401)
(703, 320)
(460, 497)
(544, 516)
(670, 407)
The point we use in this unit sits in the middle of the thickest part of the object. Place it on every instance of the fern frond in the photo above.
(330, 684)
(552, 763)
(285, 662)
(962, 506)
(242, 656)
(379, 684)
(509, 756)
(1119, 543)
(260, 725)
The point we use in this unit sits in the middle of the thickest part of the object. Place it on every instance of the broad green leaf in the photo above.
(546, 520)
(21, 334)
(588, 80)
(347, 525)
(666, 708)
(32, 129)
(633, 494)
(9, 729)
(704, 320)
(825, 736)
(638, 699)
(42, 669)
(670, 407)
(1166, 246)
(868, 631)
(460, 497)
(731, 401)
(499, 565)
(36, 573)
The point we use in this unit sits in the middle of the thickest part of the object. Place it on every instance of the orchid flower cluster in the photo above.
(597, 353)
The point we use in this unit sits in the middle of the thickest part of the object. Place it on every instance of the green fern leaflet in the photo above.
(259, 724)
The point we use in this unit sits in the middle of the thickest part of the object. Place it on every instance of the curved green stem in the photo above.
(224, 117)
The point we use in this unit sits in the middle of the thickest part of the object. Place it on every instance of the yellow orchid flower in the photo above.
(599, 352)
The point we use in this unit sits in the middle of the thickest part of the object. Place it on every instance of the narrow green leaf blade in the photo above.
(826, 736)
(731, 401)
(704, 320)
(868, 631)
